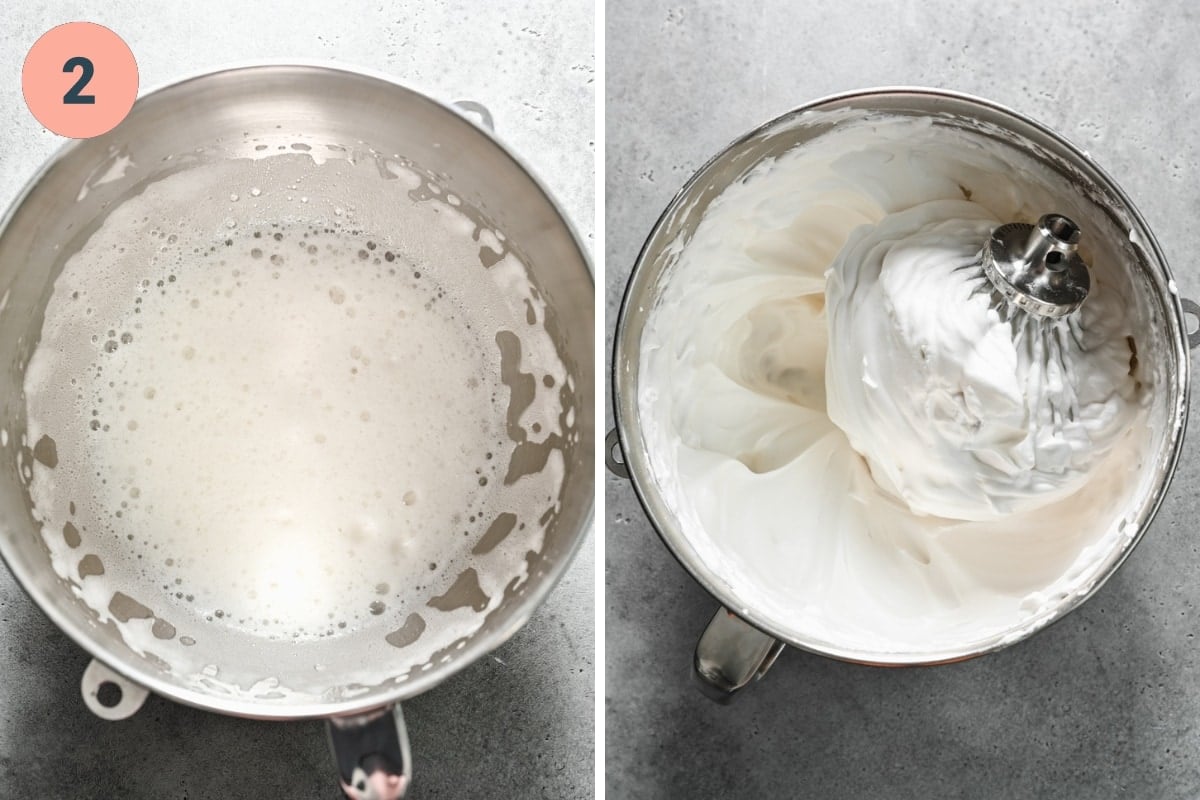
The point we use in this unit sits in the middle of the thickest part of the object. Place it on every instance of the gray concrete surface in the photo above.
(519, 724)
(1104, 704)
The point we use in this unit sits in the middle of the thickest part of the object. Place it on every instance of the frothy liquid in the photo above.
(289, 424)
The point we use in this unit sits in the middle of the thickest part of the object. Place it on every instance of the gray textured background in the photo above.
(519, 724)
(1104, 704)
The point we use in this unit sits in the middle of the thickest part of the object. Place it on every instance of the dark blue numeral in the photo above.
(73, 96)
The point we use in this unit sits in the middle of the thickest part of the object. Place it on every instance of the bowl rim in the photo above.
(252, 708)
(641, 474)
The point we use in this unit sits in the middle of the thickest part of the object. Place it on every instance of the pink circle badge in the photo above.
(80, 80)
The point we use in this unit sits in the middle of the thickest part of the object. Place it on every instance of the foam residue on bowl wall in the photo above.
(296, 424)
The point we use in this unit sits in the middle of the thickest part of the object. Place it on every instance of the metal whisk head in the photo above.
(1037, 267)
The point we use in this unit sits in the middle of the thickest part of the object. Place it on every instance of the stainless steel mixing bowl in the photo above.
(226, 115)
(738, 648)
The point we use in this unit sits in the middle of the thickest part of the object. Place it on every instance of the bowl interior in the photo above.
(1149, 293)
(245, 115)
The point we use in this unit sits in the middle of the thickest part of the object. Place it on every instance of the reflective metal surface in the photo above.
(730, 655)
(1037, 268)
(372, 754)
(209, 117)
(1156, 301)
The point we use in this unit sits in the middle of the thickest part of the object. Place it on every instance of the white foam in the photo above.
(739, 421)
(284, 425)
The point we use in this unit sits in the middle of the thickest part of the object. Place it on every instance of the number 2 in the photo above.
(73, 96)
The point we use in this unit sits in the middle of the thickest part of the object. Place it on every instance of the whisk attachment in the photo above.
(1037, 267)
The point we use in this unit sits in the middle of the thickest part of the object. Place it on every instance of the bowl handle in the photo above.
(614, 455)
(730, 654)
(372, 754)
(478, 112)
(1191, 308)
(126, 696)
